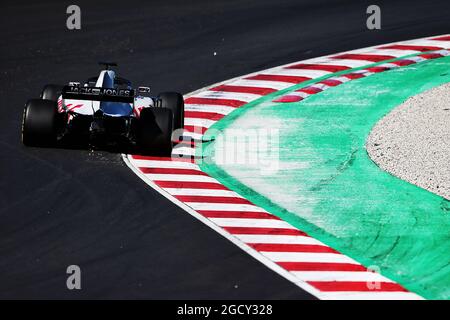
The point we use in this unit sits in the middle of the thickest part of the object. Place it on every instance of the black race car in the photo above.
(104, 108)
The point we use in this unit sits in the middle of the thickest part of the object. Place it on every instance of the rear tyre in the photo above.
(51, 92)
(39, 124)
(155, 131)
(174, 101)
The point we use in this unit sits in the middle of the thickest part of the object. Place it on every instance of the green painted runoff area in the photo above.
(318, 177)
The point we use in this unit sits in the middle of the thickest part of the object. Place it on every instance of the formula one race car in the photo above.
(104, 108)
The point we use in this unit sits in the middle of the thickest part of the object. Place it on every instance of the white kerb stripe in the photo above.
(164, 164)
(386, 52)
(340, 79)
(201, 192)
(245, 97)
(343, 62)
(277, 239)
(416, 59)
(363, 72)
(183, 150)
(301, 73)
(192, 135)
(308, 257)
(180, 177)
(297, 94)
(388, 65)
(224, 207)
(251, 223)
(198, 122)
(444, 52)
(321, 86)
(209, 108)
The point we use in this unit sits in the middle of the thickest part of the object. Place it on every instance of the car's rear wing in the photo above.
(98, 94)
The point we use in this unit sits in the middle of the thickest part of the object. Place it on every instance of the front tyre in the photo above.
(155, 131)
(174, 101)
(39, 124)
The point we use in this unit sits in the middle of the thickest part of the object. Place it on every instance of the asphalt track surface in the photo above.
(60, 207)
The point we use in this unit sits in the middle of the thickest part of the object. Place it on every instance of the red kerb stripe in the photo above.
(190, 185)
(403, 62)
(377, 69)
(237, 214)
(288, 98)
(195, 129)
(444, 38)
(357, 286)
(141, 157)
(150, 158)
(185, 142)
(410, 47)
(171, 171)
(431, 55)
(331, 82)
(310, 90)
(213, 199)
(353, 76)
(273, 231)
(321, 266)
